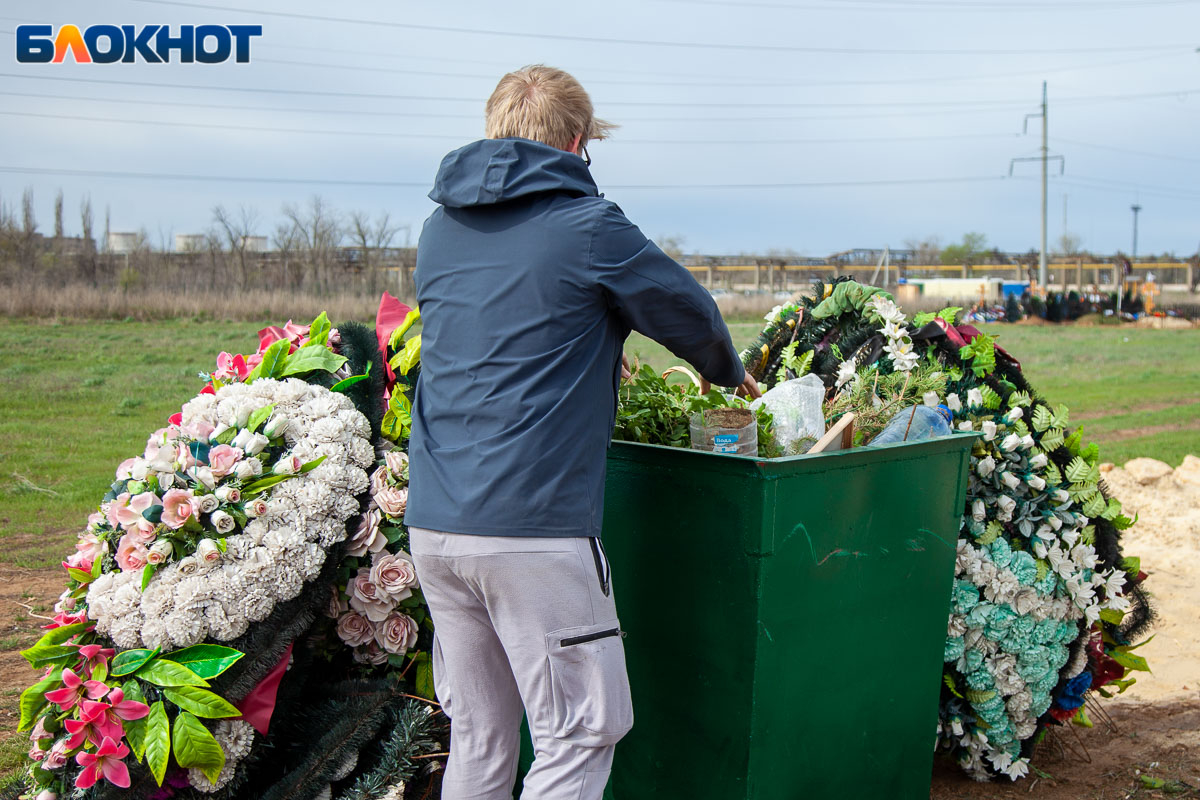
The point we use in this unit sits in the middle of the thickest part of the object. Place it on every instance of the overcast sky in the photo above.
(809, 125)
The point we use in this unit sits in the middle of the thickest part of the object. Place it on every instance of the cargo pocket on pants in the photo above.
(589, 688)
(439, 677)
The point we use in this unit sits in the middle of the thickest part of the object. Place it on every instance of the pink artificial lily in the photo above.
(92, 726)
(63, 619)
(230, 366)
(94, 656)
(74, 689)
(130, 516)
(296, 335)
(106, 762)
(107, 716)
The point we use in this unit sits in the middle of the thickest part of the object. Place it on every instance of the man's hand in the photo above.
(749, 387)
(626, 374)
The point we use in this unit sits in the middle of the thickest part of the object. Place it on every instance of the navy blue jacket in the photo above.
(528, 283)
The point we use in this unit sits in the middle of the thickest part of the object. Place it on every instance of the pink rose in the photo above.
(367, 598)
(199, 430)
(337, 603)
(131, 554)
(160, 552)
(397, 462)
(56, 756)
(392, 501)
(184, 456)
(207, 552)
(379, 480)
(39, 731)
(130, 515)
(223, 458)
(125, 469)
(95, 520)
(367, 537)
(89, 547)
(354, 629)
(395, 574)
(397, 633)
(114, 507)
(256, 507)
(371, 654)
(177, 508)
(36, 753)
(78, 561)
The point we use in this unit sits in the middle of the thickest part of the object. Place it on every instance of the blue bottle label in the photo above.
(725, 438)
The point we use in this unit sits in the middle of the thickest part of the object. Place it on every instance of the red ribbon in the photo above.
(391, 313)
(259, 705)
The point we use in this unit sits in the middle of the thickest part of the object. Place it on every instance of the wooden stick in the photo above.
(908, 427)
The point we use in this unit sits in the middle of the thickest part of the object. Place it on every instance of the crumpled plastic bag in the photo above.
(796, 406)
(846, 296)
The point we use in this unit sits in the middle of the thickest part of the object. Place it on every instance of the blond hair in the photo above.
(544, 104)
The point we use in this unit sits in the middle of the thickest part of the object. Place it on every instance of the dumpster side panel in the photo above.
(679, 529)
(852, 623)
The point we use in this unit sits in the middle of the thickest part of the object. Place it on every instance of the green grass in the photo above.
(1135, 392)
(80, 397)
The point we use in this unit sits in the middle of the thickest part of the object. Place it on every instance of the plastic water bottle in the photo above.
(926, 423)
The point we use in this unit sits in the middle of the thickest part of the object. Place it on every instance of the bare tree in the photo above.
(319, 232)
(671, 245)
(87, 263)
(237, 230)
(1069, 244)
(370, 237)
(28, 231)
(925, 251)
(286, 241)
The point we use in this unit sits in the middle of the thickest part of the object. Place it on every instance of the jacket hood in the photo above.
(496, 170)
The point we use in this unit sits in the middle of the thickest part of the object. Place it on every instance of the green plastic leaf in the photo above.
(1131, 565)
(397, 336)
(259, 416)
(158, 741)
(1081, 718)
(273, 361)
(1122, 685)
(42, 654)
(136, 729)
(1151, 782)
(1112, 616)
(949, 681)
(991, 400)
(79, 575)
(309, 466)
(312, 358)
(129, 661)
(168, 673)
(1061, 415)
(1095, 506)
(950, 313)
(206, 660)
(923, 319)
(406, 359)
(1019, 398)
(226, 436)
(262, 484)
(1129, 660)
(33, 699)
(424, 677)
(1041, 419)
(148, 574)
(318, 331)
(195, 747)
(343, 385)
(1078, 470)
(1052, 439)
(201, 702)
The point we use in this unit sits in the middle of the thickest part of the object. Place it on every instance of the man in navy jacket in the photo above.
(528, 282)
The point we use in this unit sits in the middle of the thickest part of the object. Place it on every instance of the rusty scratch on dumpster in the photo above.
(915, 544)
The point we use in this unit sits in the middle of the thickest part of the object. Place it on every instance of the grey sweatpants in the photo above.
(524, 622)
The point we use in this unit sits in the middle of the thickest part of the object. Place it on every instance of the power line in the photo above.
(942, 5)
(1126, 150)
(423, 184)
(462, 137)
(759, 47)
(957, 104)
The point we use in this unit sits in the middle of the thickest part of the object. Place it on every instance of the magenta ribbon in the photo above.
(259, 705)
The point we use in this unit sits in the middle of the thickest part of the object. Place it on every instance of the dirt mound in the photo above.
(1167, 540)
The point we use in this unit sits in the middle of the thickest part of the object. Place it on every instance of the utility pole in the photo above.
(1135, 208)
(1045, 158)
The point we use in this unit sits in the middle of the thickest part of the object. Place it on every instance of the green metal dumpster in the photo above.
(786, 618)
